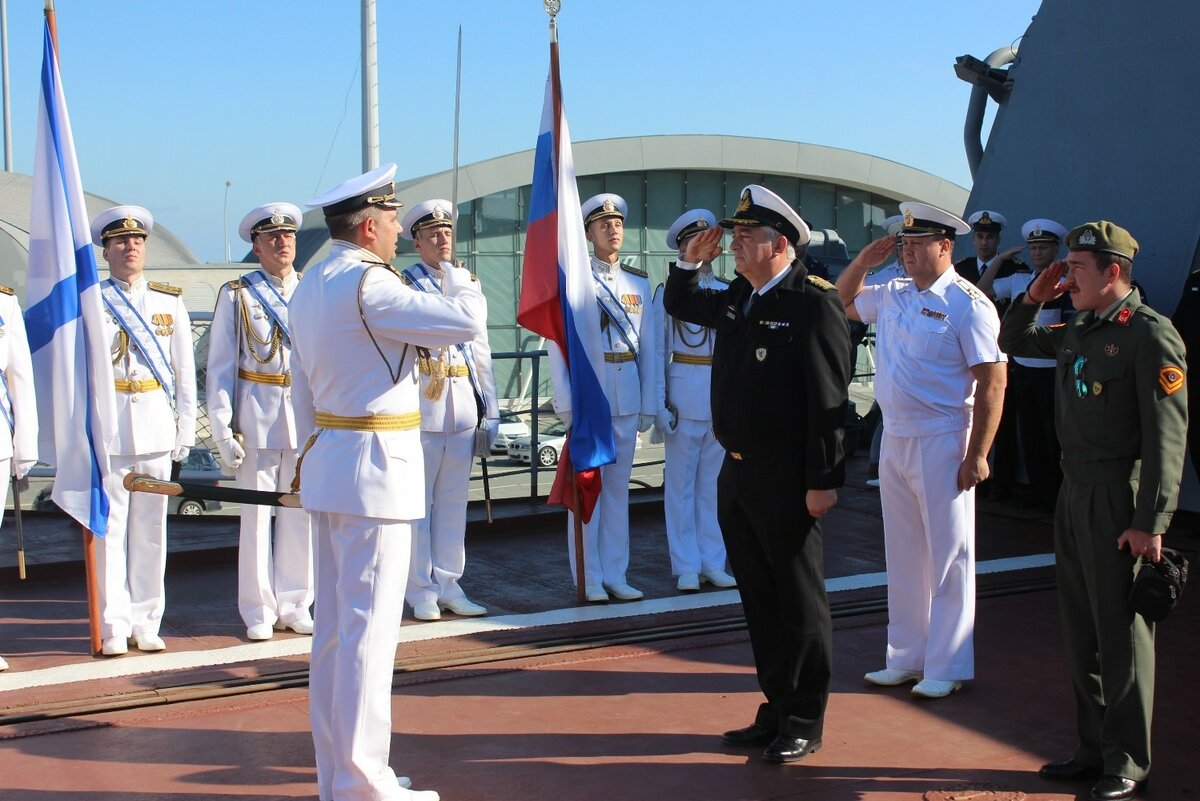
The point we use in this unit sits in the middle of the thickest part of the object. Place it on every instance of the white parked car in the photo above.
(550, 446)
(512, 428)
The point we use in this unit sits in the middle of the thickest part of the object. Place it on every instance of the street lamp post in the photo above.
(226, 215)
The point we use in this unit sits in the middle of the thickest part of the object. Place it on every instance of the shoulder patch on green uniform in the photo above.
(629, 268)
(159, 286)
(7, 290)
(971, 290)
(819, 282)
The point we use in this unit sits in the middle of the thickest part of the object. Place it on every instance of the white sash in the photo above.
(611, 306)
(141, 335)
(424, 281)
(265, 293)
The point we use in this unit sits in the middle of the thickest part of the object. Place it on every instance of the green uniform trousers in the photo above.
(1110, 650)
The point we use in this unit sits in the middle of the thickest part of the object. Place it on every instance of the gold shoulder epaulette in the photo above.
(629, 268)
(7, 290)
(819, 282)
(235, 284)
(159, 286)
(971, 290)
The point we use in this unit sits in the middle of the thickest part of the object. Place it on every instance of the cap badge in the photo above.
(984, 219)
(1088, 237)
(1035, 232)
(609, 206)
(130, 224)
(277, 217)
(438, 214)
(1111, 349)
(744, 205)
(701, 224)
(909, 219)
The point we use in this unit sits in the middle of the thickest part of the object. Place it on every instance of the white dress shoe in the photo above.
(115, 646)
(595, 594)
(3, 664)
(688, 582)
(890, 677)
(303, 625)
(427, 610)
(718, 578)
(623, 592)
(463, 606)
(260, 631)
(149, 642)
(935, 688)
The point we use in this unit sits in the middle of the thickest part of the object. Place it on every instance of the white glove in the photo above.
(565, 417)
(231, 452)
(21, 467)
(644, 422)
(666, 421)
(656, 436)
(180, 453)
(485, 435)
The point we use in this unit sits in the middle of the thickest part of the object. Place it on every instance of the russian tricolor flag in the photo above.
(63, 316)
(558, 301)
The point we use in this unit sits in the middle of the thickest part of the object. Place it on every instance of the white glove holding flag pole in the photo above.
(231, 452)
(485, 435)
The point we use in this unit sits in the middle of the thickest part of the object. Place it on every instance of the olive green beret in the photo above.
(1104, 237)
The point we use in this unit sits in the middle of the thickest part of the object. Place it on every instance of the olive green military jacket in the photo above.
(1120, 398)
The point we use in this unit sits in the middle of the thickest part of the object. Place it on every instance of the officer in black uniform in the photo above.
(780, 370)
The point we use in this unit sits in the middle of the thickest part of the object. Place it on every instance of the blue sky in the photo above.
(170, 99)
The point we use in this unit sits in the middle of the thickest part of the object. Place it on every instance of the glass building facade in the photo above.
(491, 236)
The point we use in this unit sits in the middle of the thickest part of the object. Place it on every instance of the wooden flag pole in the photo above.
(89, 550)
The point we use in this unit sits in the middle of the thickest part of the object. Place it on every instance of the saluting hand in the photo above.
(875, 253)
(704, 246)
(1046, 286)
(1008, 254)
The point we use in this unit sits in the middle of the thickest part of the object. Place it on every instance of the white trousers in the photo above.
(690, 498)
(362, 564)
(606, 537)
(929, 536)
(131, 559)
(439, 553)
(6, 479)
(275, 573)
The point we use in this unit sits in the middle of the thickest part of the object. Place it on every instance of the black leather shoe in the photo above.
(1070, 770)
(1116, 788)
(754, 734)
(790, 749)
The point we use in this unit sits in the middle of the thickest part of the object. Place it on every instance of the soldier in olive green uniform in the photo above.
(1121, 414)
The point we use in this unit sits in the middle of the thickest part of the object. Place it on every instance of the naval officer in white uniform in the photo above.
(154, 371)
(355, 332)
(940, 384)
(682, 391)
(459, 420)
(628, 380)
(18, 401)
(250, 406)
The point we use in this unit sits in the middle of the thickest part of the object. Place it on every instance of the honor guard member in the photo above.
(684, 420)
(986, 227)
(940, 384)
(628, 380)
(18, 401)
(355, 332)
(1031, 381)
(459, 420)
(1121, 390)
(249, 394)
(154, 372)
(781, 367)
